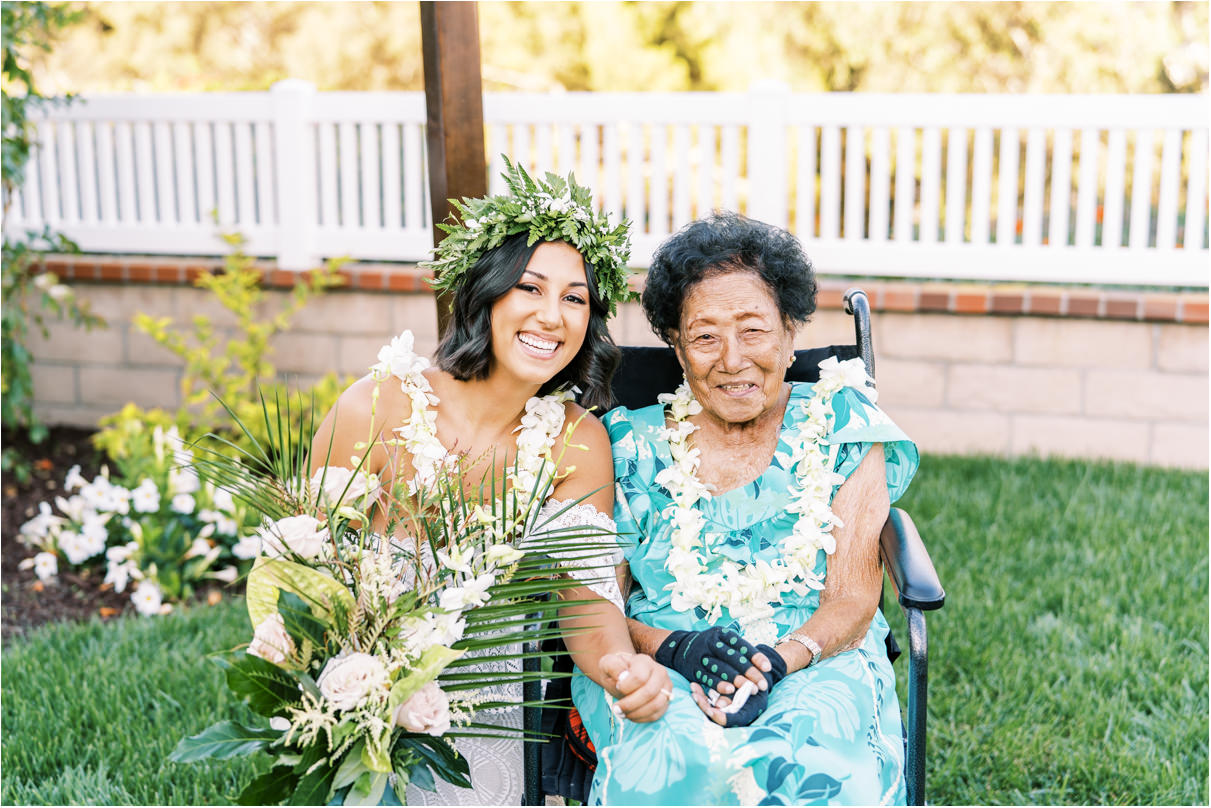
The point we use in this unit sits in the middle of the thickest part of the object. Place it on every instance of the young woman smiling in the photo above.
(534, 276)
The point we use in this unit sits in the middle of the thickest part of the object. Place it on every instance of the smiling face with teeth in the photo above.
(539, 325)
(734, 346)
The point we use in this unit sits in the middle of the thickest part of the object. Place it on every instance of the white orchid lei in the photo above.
(540, 425)
(750, 592)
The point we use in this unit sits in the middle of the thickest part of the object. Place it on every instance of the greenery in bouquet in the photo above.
(158, 529)
(385, 618)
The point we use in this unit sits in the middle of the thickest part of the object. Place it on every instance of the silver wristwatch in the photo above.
(807, 642)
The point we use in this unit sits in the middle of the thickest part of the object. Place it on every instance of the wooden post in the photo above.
(454, 107)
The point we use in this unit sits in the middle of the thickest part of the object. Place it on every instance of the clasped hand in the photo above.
(641, 686)
(722, 661)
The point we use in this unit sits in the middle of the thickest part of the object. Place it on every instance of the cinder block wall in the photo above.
(1006, 384)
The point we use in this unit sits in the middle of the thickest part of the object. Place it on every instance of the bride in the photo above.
(534, 274)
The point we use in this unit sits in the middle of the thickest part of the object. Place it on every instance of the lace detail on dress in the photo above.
(557, 518)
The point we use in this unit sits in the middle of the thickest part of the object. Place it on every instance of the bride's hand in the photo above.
(641, 685)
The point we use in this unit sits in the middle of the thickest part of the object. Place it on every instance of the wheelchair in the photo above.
(645, 373)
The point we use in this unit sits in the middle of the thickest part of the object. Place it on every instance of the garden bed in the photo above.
(27, 602)
(75, 594)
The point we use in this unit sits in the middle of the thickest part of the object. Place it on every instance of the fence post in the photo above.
(294, 173)
(768, 161)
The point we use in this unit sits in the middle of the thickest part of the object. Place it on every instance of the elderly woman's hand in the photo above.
(749, 702)
(719, 659)
(642, 687)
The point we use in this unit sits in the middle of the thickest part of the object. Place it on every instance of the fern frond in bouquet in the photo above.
(377, 611)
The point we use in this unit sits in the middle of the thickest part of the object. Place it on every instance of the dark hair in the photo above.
(723, 243)
(465, 352)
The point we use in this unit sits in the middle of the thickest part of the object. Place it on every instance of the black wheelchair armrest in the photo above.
(908, 563)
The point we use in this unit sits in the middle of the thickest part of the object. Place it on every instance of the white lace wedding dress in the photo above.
(497, 773)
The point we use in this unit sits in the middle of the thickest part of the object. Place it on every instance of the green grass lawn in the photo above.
(1069, 665)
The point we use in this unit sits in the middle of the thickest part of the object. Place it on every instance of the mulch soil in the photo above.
(27, 602)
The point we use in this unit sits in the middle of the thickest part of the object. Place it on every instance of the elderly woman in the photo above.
(754, 508)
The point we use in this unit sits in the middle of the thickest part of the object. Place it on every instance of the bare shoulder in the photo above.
(587, 465)
(370, 401)
(366, 410)
(584, 428)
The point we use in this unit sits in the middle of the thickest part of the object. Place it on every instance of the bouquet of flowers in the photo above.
(155, 524)
(374, 610)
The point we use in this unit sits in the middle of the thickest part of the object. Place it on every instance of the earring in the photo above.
(791, 360)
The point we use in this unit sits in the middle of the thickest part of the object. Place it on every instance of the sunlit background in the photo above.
(613, 46)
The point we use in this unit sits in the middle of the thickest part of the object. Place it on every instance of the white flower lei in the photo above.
(750, 592)
(540, 425)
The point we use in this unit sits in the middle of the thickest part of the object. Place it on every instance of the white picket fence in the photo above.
(1088, 189)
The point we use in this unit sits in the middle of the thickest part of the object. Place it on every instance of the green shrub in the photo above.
(235, 370)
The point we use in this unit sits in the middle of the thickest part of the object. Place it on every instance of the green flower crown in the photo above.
(555, 210)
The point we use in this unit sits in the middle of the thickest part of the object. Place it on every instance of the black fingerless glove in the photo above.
(707, 657)
(758, 701)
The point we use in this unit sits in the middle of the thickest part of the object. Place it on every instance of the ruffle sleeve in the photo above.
(635, 466)
(585, 540)
(857, 425)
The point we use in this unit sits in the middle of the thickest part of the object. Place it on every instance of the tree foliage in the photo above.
(29, 297)
(642, 46)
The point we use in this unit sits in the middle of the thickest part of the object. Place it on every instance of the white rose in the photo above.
(147, 598)
(59, 292)
(428, 711)
(270, 641)
(302, 535)
(331, 482)
(347, 681)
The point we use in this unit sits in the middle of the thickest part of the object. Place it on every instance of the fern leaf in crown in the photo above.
(553, 209)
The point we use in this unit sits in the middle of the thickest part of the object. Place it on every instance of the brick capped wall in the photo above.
(963, 368)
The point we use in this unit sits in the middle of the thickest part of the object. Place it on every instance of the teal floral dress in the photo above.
(831, 732)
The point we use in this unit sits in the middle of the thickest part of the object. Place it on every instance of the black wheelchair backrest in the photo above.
(647, 372)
